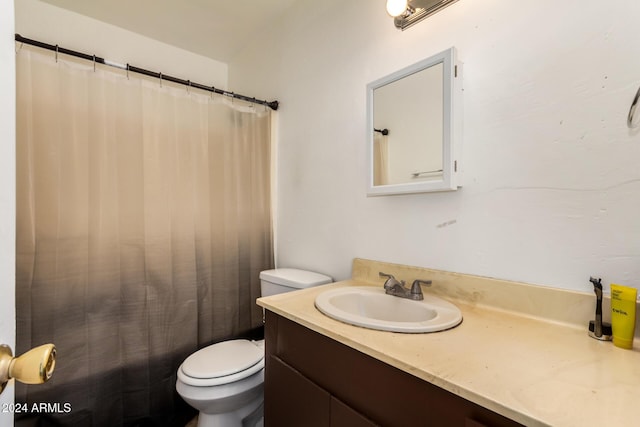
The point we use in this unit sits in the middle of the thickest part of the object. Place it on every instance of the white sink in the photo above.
(370, 307)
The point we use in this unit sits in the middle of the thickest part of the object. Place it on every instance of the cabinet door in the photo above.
(344, 416)
(473, 423)
(291, 400)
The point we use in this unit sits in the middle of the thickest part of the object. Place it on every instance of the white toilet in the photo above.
(224, 381)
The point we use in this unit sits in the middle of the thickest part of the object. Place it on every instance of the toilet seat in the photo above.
(222, 363)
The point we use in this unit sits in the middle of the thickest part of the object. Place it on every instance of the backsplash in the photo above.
(566, 307)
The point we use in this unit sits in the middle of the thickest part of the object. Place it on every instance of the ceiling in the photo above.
(217, 29)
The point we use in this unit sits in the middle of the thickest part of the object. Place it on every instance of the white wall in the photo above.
(54, 25)
(7, 193)
(551, 173)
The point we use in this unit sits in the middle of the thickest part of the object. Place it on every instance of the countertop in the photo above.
(529, 369)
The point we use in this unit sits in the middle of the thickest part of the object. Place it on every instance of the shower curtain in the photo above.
(143, 221)
(380, 159)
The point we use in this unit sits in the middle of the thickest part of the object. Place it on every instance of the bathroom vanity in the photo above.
(521, 356)
(312, 380)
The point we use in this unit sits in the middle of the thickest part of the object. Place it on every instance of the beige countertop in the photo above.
(534, 370)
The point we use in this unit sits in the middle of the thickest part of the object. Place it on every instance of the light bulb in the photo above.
(396, 7)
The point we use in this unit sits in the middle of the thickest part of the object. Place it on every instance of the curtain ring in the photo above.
(160, 79)
(188, 86)
(127, 71)
(632, 111)
(94, 63)
(213, 90)
(19, 47)
(56, 54)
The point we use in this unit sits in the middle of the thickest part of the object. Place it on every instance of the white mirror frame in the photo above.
(452, 127)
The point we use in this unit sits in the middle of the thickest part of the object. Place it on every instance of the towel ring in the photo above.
(632, 111)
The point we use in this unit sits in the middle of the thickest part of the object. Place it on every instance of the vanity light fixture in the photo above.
(397, 7)
(405, 13)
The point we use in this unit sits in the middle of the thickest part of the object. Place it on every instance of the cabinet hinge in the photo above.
(455, 166)
(455, 71)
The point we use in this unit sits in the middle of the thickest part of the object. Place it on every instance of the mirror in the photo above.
(413, 128)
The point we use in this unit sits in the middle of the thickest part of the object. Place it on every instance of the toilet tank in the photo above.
(281, 280)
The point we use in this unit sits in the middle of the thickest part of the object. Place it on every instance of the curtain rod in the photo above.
(271, 104)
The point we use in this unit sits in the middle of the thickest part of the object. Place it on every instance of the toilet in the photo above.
(224, 381)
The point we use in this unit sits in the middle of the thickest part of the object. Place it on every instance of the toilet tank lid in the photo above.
(294, 278)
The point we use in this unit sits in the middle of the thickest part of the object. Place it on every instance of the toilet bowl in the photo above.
(225, 381)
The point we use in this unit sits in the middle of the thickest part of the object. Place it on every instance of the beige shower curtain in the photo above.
(143, 223)
(380, 159)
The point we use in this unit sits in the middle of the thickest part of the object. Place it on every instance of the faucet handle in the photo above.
(416, 289)
(391, 281)
(419, 282)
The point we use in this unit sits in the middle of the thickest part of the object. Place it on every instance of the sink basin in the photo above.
(370, 307)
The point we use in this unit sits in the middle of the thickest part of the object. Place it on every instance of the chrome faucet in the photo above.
(396, 288)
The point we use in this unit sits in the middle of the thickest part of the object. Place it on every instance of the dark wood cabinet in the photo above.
(344, 416)
(312, 380)
(300, 402)
(303, 402)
